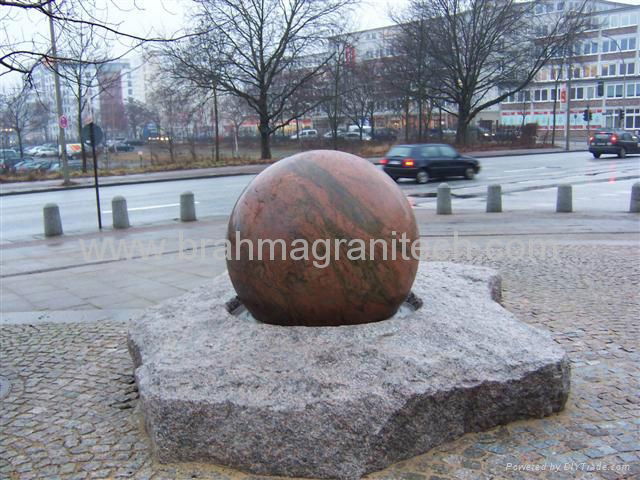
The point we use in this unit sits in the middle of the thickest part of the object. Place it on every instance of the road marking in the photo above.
(151, 207)
(524, 170)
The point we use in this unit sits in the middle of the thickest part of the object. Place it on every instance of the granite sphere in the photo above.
(321, 222)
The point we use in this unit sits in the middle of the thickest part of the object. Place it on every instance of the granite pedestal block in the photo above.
(338, 402)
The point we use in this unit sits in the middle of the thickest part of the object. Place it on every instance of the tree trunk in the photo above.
(265, 137)
(463, 123)
(216, 124)
(419, 119)
(406, 120)
(19, 134)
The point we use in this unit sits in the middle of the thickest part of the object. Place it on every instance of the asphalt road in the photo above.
(528, 182)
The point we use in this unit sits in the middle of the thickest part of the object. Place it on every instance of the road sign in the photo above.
(563, 96)
(63, 122)
(86, 134)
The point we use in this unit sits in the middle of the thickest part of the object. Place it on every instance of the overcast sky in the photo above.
(161, 18)
(147, 18)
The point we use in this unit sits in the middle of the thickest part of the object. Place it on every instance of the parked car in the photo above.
(33, 165)
(356, 136)
(329, 134)
(614, 142)
(385, 134)
(305, 134)
(8, 159)
(429, 160)
(46, 152)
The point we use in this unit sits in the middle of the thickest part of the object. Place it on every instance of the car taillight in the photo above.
(384, 161)
(408, 162)
(614, 139)
(591, 139)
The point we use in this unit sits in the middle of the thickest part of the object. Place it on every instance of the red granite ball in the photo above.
(330, 201)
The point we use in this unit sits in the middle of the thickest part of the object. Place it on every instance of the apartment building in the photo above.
(599, 74)
(105, 93)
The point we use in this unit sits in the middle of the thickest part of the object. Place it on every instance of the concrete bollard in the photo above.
(187, 207)
(52, 221)
(443, 206)
(119, 212)
(564, 203)
(494, 199)
(634, 206)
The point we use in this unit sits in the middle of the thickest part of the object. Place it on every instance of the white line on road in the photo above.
(524, 170)
(151, 207)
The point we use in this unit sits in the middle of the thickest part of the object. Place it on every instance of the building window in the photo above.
(632, 118)
(627, 68)
(577, 93)
(633, 89)
(591, 92)
(614, 91)
(608, 70)
(590, 48)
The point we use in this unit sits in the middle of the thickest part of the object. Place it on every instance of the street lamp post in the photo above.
(56, 81)
(624, 82)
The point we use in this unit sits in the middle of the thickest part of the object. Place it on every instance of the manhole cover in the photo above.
(5, 387)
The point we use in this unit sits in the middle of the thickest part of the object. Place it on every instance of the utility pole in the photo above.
(567, 127)
(56, 81)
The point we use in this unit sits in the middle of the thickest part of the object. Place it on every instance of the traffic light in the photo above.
(590, 115)
(621, 115)
(585, 115)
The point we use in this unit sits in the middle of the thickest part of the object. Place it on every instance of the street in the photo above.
(528, 182)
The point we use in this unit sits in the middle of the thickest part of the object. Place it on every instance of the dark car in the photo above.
(614, 142)
(426, 161)
(385, 134)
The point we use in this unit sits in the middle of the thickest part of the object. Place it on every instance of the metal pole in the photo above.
(95, 172)
(56, 81)
(567, 127)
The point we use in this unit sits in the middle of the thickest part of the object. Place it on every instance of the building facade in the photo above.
(599, 75)
(106, 89)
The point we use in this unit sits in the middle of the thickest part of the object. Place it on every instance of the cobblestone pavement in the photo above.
(70, 412)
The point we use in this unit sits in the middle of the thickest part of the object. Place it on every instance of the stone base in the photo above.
(338, 402)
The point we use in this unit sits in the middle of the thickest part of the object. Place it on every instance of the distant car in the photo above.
(33, 166)
(8, 159)
(428, 160)
(385, 134)
(614, 142)
(121, 147)
(329, 134)
(356, 136)
(46, 152)
(305, 134)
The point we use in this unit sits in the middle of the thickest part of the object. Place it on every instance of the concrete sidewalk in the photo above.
(138, 267)
(17, 188)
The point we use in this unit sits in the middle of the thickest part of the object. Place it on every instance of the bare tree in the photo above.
(334, 84)
(18, 114)
(361, 93)
(235, 110)
(258, 43)
(82, 76)
(194, 63)
(478, 47)
(23, 55)
(409, 74)
(137, 114)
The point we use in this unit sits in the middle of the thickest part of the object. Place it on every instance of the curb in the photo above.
(131, 182)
